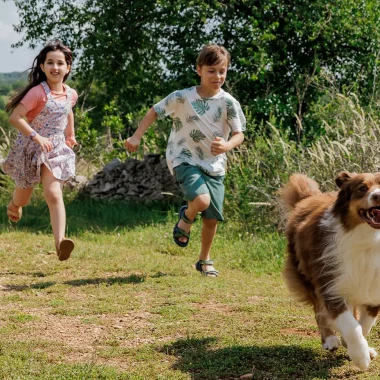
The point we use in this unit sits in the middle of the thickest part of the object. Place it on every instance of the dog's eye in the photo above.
(363, 189)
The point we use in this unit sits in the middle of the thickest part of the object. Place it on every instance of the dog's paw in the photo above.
(360, 354)
(331, 343)
(372, 352)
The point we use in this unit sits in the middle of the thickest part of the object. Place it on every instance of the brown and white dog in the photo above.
(333, 260)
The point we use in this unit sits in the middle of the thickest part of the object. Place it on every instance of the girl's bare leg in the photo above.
(20, 198)
(52, 188)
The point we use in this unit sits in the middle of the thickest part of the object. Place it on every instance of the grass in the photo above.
(130, 305)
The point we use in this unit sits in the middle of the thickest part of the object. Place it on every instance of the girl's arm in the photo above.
(69, 131)
(133, 142)
(18, 121)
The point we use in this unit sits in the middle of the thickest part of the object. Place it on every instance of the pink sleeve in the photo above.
(74, 97)
(33, 98)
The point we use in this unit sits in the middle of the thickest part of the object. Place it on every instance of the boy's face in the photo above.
(213, 77)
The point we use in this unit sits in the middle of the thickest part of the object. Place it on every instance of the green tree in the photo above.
(282, 50)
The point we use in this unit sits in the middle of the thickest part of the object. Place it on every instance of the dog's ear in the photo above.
(342, 178)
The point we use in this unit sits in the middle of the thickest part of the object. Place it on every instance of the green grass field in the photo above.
(130, 305)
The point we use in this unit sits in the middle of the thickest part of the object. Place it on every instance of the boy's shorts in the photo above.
(193, 182)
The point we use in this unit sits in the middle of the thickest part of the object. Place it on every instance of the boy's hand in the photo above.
(132, 143)
(70, 141)
(219, 146)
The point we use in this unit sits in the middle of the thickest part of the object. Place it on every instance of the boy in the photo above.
(203, 117)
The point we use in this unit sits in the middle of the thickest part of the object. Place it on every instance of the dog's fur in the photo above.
(333, 260)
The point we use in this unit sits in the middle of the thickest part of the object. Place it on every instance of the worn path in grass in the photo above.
(130, 305)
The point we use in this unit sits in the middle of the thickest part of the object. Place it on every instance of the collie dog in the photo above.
(333, 262)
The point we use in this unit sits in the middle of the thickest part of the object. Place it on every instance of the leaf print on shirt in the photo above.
(231, 110)
(200, 153)
(185, 154)
(200, 106)
(182, 141)
(160, 112)
(197, 135)
(168, 100)
(180, 97)
(217, 114)
(190, 119)
(170, 147)
(177, 124)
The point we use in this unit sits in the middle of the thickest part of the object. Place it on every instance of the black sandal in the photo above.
(179, 232)
(207, 273)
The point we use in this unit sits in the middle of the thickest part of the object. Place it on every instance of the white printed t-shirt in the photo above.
(196, 123)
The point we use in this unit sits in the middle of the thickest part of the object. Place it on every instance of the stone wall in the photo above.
(146, 180)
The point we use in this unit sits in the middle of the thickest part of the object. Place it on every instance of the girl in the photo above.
(42, 151)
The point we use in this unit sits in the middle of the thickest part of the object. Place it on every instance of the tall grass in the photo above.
(262, 166)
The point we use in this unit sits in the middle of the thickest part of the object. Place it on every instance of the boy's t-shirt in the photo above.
(196, 123)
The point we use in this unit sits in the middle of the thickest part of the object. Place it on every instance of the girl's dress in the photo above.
(24, 161)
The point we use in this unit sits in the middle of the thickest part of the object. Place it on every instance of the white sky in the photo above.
(19, 59)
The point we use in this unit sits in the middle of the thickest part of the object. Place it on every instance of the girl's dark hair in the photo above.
(36, 75)
(213, 54)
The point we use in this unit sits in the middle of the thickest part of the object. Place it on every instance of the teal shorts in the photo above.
(193, 182)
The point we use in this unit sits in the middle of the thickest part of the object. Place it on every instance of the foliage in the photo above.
(137, 50)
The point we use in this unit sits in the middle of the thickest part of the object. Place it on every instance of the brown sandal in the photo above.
(14, 214)
(64, 249)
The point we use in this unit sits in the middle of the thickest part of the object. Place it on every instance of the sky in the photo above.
(19, 59)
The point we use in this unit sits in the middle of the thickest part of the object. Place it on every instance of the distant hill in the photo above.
(14, 76)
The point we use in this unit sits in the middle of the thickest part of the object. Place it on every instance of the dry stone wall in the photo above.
(138, 180)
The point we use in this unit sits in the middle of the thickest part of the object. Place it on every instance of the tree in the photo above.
(136, 51)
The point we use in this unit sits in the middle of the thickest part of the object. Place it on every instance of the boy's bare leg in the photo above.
(208, 233)
(20, 198)
(199, 204)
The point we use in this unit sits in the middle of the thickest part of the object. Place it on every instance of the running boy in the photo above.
(203, 117)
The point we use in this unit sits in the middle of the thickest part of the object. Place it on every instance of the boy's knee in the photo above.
(202, 201)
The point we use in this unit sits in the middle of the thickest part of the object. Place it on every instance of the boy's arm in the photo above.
(219, 145)
(69, 131)
(133, 142)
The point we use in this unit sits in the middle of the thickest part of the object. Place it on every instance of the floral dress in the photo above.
(24, 161)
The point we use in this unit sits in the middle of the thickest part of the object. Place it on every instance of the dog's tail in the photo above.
(299, 187)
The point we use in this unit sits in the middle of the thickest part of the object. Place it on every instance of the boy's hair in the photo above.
(36, 75)
(213, 54)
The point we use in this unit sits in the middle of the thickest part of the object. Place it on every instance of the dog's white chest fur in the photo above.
(355, 256)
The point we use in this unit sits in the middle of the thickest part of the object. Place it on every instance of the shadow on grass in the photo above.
(201, 361)
(20, 288)
(132, 279)
(96, 216)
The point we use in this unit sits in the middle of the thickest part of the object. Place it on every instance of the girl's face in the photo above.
(55, 66)
(213, 77)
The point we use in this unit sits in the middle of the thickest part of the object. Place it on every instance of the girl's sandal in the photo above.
(179, 232)
(14, 214)
(64, 249)
(207, 273)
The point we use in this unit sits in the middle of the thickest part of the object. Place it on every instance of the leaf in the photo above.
(185, 154)
(192, 118)
(200, 106)
(177, 124)
(160, 112)
(197, 135)
(217, 114)
(231, 110)
(180, 97)
(200, 153)
(181, 142)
